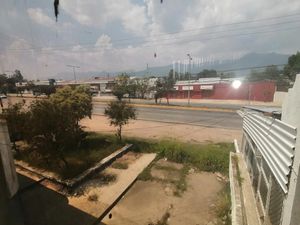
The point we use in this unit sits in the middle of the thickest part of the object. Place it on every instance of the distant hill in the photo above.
(246, 61)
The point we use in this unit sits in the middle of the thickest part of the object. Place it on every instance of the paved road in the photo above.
(228, 120)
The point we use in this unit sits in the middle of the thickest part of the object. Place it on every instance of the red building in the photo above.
(215, 88)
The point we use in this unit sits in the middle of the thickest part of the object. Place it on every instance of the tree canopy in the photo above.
(293, 66)
(119, 113)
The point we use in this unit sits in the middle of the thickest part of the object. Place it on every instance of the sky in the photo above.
(126, 35)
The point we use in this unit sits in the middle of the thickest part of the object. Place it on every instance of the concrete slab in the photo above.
(108, 194)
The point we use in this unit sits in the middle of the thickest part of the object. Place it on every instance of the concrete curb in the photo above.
(193, 108)
(238, 216)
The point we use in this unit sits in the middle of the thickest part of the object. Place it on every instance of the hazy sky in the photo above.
(119, 35)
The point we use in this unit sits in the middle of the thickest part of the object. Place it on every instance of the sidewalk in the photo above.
(209, 103)
(111, 193)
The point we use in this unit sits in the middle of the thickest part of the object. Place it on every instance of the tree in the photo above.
(121, 86)
(173, 74)
(17, 76)
(16, 118)
(207, 73)
(142, 87)
(272, 72)
(293, 67)
(119, 112)
(3, 83)
(159, 89)
(168, 85)
(54, 122)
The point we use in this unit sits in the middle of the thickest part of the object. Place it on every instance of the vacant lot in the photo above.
(157, 130)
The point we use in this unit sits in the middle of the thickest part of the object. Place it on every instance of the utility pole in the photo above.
(77, 67)
(147, 74)
(189, 88)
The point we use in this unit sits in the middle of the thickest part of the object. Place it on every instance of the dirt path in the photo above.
(157, 130)
(147, 202)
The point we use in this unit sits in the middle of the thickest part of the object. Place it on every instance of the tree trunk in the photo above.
(167, 98)
(119, 132)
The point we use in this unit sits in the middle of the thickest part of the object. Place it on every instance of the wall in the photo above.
(279, 97)
(7, 163)
(254, 91)
(290, 115)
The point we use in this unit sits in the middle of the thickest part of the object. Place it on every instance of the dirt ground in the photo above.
(148, 201)
(157, 130)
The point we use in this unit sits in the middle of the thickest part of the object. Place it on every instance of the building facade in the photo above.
(216, 88)
(271, 150)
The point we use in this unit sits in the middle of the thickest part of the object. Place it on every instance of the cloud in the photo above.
(171, 30)
(104, 41)
(101, 13)
(38, 16)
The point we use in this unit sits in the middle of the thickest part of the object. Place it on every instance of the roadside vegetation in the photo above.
(48, 135)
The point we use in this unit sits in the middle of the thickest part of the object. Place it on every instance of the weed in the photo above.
(239, 178)
(163, 220)
(120, 165)
(145, 175)
(93, 198)
(223, 206)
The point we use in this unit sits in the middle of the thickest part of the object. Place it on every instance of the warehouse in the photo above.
(225, 89)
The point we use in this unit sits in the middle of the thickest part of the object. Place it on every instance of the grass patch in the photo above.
(239, 178)
(223, 206)
(181, 184)
(94, 148)
(120, 165)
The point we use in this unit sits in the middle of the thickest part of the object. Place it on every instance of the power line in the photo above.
(96, 49)
(203, 28)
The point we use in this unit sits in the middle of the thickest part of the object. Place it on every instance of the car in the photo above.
(3, 96)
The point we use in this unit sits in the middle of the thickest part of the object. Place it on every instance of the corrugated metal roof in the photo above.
(276, 142)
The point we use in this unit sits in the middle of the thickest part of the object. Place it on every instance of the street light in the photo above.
(189, 91)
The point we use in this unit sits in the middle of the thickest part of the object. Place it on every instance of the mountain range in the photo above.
(240, 67)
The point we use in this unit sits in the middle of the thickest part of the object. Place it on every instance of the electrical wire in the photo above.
(173, 38)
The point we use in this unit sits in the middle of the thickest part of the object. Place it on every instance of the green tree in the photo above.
(16, 118)
(173, 74)
(17, 76)
(293, 67)
(121, 86)
(119, 113)
(207, 73)
(159, 89)
(3, 83)
(272, 72)
(168, 85)
(54, 122)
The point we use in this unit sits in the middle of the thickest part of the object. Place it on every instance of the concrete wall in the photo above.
(254, 91)
(7, 165)
(291, 115)
(279, 97)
